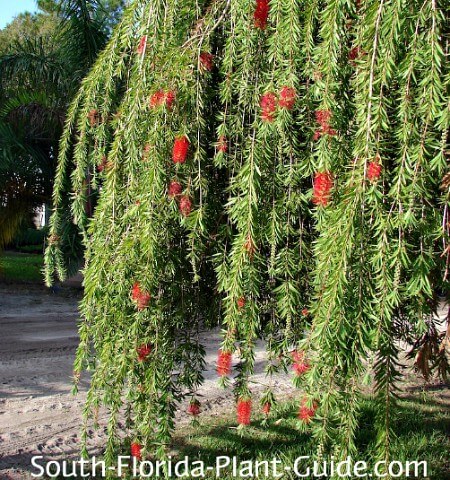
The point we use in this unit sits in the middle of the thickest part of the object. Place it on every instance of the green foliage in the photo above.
(370, 117)
(31, 237)
(44, 57)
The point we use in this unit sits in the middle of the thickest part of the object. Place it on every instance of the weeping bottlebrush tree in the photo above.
(274, 166)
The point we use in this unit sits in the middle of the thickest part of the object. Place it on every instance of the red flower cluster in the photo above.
(142, 45)
(268, 106)
(300, 364)
(261, 14)
(207, 61)
(162, 97)
(266, 408)
(136, 451)
(244, 411)
(143, 352)
(222, 145)
(170, 98)
(223, 363)
(305, 312)
(241, 302)
(323, 118)
(143, 300)
(136, 291)
(180, 149)
(373, 171)
(269, 102)
(194, 408)
(139, 296)
(157, 99)
(185, 205)
(175, 188)
(287, 98)
(323, 182)
(305, 413)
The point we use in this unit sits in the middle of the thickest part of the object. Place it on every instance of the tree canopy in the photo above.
(43, 58)
(274, 167)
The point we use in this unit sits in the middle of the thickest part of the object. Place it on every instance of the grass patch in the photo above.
(21, 267)
(421, 434)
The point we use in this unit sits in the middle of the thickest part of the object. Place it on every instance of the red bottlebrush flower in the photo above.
(317, 135)
(157, 99)
(185, 205)
(223, 363)
(373, 171)
(139, 296)
(161, 97)
(170, 99)
(305, 413)
(323, 183)
(287, 98)
(136, 451)
(180, 149)
(136, 291)
(143, 352)
(194, 408)
(298, 355)
(143, 300)
(268, 106)
(142, 45)
(244, 411)
(300, 368)
(222, 145)
(241, 302)
(305, 312)
(206, 61)
(300, 365)
(323, 118)
(93, 117)
(175, 189)
(266, 408)
(261, 14)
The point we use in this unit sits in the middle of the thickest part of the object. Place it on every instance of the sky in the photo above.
(10, 8)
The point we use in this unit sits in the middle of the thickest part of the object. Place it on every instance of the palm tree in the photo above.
(38, 78)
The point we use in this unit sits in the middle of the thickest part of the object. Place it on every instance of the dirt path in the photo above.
(38, 413)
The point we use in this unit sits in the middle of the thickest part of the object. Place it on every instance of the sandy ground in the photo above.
(38, 413)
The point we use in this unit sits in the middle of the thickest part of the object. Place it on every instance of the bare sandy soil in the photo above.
(38, 413)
